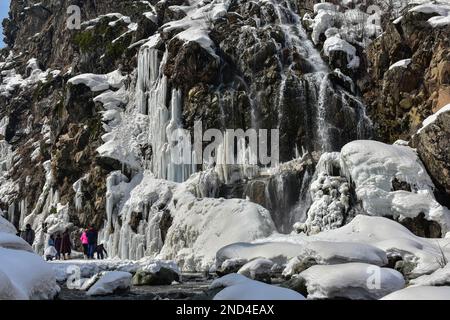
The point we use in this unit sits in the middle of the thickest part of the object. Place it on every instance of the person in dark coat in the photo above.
(66, 245)
(92, 236)
(101, 251)
(58, 242)
(28, 235)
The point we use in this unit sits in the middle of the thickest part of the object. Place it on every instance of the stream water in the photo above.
(194, 287)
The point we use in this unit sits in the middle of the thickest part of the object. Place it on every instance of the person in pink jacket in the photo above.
(84, 242)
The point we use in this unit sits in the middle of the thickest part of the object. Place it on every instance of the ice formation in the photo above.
(199, 228)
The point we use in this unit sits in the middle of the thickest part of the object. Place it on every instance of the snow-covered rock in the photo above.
(422, 255)
(26, 276)
(401, 64)
(259, 269)
(277, 251)
(330, 253)
(441, 277)
(305, 251)
(23, 274)
(351, 280)
(99, 82)
(376, 168)
(111, 282)
(431, 119)
(420, 293)
(442, 12)
(238, 287)
(335, 43)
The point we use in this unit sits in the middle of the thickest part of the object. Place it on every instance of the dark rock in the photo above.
(163, 277)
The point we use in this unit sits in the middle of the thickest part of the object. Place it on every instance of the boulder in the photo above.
(164, 276)
(111, 282)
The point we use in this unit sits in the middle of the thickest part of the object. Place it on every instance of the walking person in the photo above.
(28, 234)
(85, 243)
(101, 251)
(66, 245)
(58, 242)
(92, 236)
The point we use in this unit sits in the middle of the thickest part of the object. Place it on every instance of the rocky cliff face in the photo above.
(84, 112)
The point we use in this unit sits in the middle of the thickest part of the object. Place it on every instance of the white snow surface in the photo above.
(431, 119)
(420, 293)
(401, 64)
(99, 82)
(110, 282)
(358, 281)
(238, 287)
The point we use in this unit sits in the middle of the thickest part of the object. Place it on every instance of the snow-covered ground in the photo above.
(88, 268)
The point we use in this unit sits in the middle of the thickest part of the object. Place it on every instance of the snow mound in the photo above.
(420, 293)
(393, 238)
(276, 251)
(238, 287)
(200, 227)
(25, 276)
(111, 282)
(6, 226)
(359, 281)
(377, 169)
(11, 241)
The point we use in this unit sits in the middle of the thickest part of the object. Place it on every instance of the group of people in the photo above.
(89, 240)
(59, 246)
